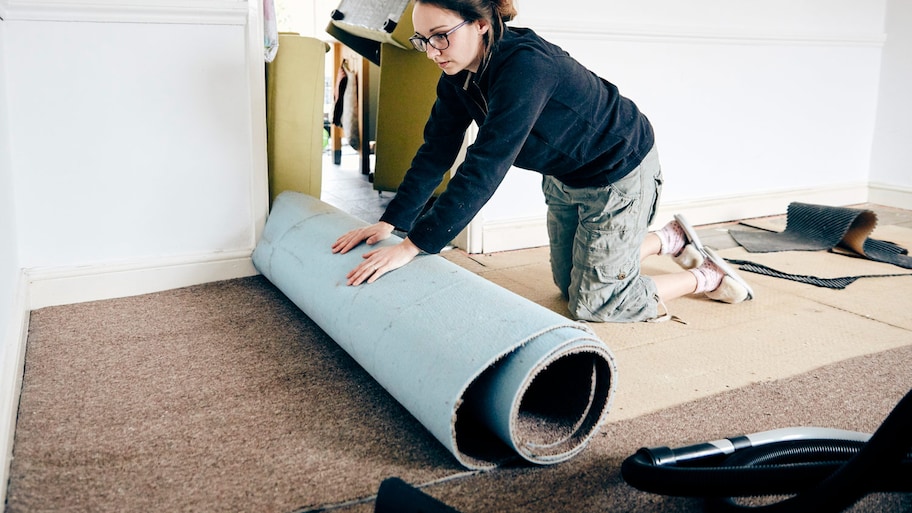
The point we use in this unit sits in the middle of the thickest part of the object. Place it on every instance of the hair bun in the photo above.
(505, 9)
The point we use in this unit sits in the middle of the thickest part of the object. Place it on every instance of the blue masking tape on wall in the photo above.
(490, 374)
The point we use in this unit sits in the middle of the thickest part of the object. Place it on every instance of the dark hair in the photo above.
(495, 12)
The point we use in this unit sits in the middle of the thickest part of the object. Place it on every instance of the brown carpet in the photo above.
(225, 397)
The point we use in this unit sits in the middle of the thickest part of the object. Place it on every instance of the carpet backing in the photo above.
(488, 372)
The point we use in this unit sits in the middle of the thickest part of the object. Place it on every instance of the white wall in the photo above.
(891, 164)
(132, 148)
(134, 118)
(12, 309)
(9, 254)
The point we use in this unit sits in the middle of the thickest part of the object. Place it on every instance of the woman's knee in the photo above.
(615, 301)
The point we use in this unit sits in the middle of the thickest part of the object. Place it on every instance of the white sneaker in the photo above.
(733, 288)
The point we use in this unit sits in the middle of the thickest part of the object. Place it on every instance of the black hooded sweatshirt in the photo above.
(536, 108)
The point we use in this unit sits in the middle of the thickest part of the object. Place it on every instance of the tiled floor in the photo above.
(345, 188)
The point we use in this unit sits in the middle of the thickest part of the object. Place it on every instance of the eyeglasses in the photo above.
(437, 41)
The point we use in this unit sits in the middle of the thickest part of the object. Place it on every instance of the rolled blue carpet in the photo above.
(493, 376)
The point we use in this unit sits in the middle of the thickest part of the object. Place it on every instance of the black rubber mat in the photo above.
(819, 227)
(830, 283)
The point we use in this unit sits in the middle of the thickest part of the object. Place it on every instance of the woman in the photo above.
(538, 108)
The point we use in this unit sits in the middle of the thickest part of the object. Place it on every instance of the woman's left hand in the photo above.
(380, 261)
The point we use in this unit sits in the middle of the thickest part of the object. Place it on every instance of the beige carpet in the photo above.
(225, 397)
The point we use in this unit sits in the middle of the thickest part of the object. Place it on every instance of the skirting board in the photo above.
(720, 210)
(890, 195)
(528, 232)
(51, 287)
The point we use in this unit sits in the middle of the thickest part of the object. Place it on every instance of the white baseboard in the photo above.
(513, 234)
(529, 232)
(890, 195)
(732, 208)
(12, 350)
(51, 287)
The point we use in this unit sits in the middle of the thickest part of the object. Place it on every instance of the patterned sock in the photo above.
(708, 275)
(672, 238)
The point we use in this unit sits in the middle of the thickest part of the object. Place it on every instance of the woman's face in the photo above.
(466, 42)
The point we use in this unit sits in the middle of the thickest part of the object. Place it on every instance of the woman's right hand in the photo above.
(371, 234)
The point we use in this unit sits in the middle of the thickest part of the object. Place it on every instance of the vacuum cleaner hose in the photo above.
(823, 469)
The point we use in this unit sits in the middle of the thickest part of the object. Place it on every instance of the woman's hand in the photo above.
(380, 261)
(371, 234)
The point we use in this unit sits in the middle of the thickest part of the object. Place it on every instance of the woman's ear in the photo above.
(483, 26)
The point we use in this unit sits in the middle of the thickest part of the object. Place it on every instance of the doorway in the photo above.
(398, 132)
(346, 188)
(344, 182)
